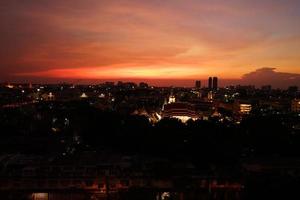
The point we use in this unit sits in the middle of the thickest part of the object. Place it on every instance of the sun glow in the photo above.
(163, 72)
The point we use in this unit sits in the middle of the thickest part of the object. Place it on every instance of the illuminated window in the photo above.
(245, 108)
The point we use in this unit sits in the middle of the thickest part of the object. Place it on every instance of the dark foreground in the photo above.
(111, 176)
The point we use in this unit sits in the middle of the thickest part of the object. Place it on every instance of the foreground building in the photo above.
(181, 111)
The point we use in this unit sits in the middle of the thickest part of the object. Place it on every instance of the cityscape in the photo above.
(134, 141)
(149, 100)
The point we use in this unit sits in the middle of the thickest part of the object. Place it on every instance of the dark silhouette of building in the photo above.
(143, 85)
(266, 88)
(213, 83)
(198, 84)
(293, 89)
(210, 82)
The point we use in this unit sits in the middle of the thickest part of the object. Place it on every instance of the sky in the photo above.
(166, 42)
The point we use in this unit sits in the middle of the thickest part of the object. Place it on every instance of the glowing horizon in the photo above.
(121, 72)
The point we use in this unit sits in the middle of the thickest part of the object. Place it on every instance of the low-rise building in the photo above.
(295, 105)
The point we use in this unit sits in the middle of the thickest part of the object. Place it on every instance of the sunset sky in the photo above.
(150, 39)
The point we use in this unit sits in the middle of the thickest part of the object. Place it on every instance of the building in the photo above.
(210, 96)
(293, 89)
(143, 85)
(242, 107)
(266, 88)
(181, 111)
(275, 104)
(210, 83)
(172, 99)
(83, 96)
(215, 83)
(48, 97)
(198, 84)
(295, 105)
(245, 108)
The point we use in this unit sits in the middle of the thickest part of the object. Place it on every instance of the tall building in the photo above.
(198, 84)
(210, 82)
(215, 83)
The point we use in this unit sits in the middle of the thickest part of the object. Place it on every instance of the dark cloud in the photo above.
(268, 76)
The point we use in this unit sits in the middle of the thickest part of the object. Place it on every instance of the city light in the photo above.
(40, 196)
(245, 108)
(83, 95)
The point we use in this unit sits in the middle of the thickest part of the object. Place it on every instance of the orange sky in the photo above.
(170, 39)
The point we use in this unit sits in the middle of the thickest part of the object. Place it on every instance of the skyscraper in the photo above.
(215, 83)
(210, 82)
(198, 84)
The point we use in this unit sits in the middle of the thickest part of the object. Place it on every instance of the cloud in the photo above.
(269, 76)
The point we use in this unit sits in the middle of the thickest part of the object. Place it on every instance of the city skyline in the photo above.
(260, 77)
(166, 43)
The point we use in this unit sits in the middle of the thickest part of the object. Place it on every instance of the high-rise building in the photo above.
(198, 84)
(210, 82)
(215, 83)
